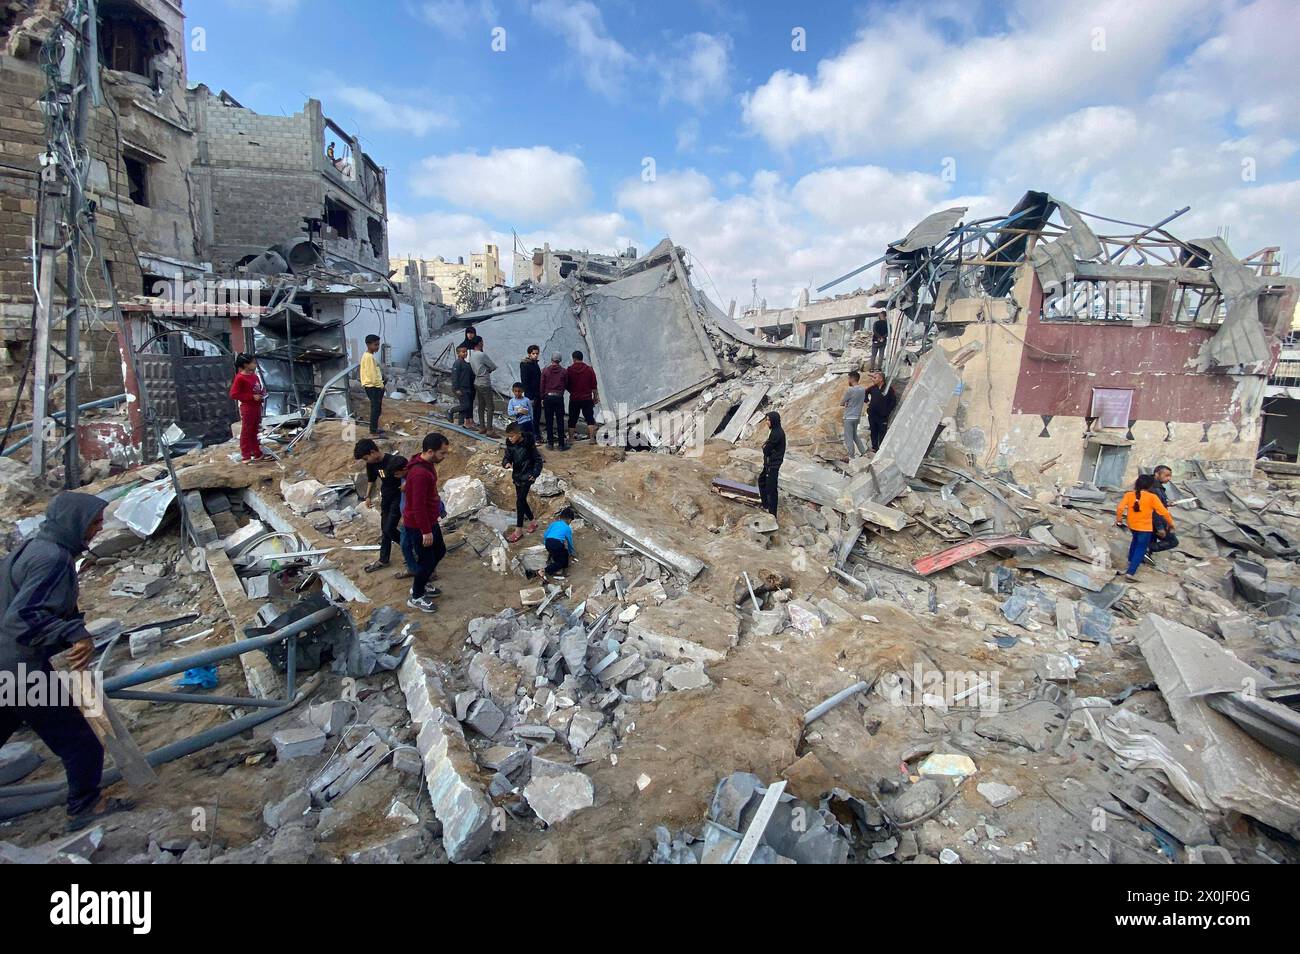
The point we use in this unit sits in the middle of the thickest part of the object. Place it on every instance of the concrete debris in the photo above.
(555, 798)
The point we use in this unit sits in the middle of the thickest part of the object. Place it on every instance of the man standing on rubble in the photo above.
(39, 618)
(553, 380)
(881, 402)
(386, 470)
(879, 336)
(530, 376)
(773, 457)
(421, 511)
(1165, 538)
(484, 400)
(525, 465)
(855, 395)
(580, 379)
(372, 380)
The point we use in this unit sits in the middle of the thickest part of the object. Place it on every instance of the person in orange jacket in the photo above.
(1139, 505)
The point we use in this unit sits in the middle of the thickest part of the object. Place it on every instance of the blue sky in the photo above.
(782, 143)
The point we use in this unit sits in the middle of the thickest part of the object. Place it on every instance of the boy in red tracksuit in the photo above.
(248, 390)
(421, 510)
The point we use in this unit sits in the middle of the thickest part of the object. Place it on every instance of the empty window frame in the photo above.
(136, 167)
(128, 37)
(338, 217)
(1100, 300)
(1198, 304)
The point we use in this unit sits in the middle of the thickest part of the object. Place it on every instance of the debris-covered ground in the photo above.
(1013, 700)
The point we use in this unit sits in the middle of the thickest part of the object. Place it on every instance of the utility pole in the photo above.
(62, 203)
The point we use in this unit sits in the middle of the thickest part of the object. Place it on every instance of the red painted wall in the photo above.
(1153, 361)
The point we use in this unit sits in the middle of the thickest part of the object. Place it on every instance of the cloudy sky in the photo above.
(783, 143)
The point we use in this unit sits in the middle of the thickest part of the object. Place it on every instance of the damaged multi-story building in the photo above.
(1092, 351)
(221, 230)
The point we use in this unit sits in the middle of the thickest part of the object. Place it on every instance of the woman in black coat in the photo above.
(773, 456)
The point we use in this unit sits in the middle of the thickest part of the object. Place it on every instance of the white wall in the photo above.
(377, 316)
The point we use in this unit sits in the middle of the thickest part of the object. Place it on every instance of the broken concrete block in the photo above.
(145, 642)
(761, 523)
(496, 678)
(462, 496)
(583, 726)
(809, 778)
(555, 798)
(408, 761)
(291, 808)
(17, 761)
(806, 617)
(401, 848)
(918, 800)
(689, 627)
(997, 794)
(881, 515)
(137, 585)
(235, 543)
(402, 812)
(298, 741)
(532, 596)
(105, 627)
(458, 801)
(331, 717)
(485, 717)
(682, 678)
(768, 622)
(629, 614)
(622, 669)
(835, 613)
(953, 766)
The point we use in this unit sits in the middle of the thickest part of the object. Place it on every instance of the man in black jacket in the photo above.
(387, 471)
(530, 376)
(773, 457)
(881, 402)
(879, 338)
(462, 385)
(39, 618)
(524, 461)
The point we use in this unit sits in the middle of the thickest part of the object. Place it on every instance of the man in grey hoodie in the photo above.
(38, 619)
(484, 399)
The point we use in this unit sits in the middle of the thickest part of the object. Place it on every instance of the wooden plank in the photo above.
(117, 741)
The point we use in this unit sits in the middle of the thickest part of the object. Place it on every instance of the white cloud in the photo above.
(601, 59)
(456, 17)
(903, 81)
(531, 184)
(697, 69)
(379, 112)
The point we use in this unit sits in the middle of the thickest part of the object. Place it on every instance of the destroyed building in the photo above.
(141, 144)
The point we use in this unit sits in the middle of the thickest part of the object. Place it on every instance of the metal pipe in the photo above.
(218, 653)
(57, 415)
(142, 695)
(817, 711)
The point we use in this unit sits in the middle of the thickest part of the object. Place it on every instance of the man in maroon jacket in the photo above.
(553, 380)
(580, 379)
(421, 511)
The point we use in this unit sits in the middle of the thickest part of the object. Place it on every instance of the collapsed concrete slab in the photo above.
(458, 800)
(655, 547)
(1240, 774)
(689, 627)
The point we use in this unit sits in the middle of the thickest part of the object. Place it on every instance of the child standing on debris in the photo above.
(372, 380)
(524, 462)
(462, 385)
(530, 375)
(1140, 504)
(855, 395)
(520, 408)
(553, 379)
(421, 511)
(558, 541)
(484, 399)
(386, 470)
(250, 392)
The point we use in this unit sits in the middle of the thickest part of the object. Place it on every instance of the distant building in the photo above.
(484, 270)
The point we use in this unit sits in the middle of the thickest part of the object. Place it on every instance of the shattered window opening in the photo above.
(137, 177)
(129, 38)
(339, 218)
(1101, 300)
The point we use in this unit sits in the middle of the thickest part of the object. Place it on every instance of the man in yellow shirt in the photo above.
(372, 379)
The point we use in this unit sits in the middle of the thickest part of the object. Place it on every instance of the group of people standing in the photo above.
(411, 510)
(539, 393)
